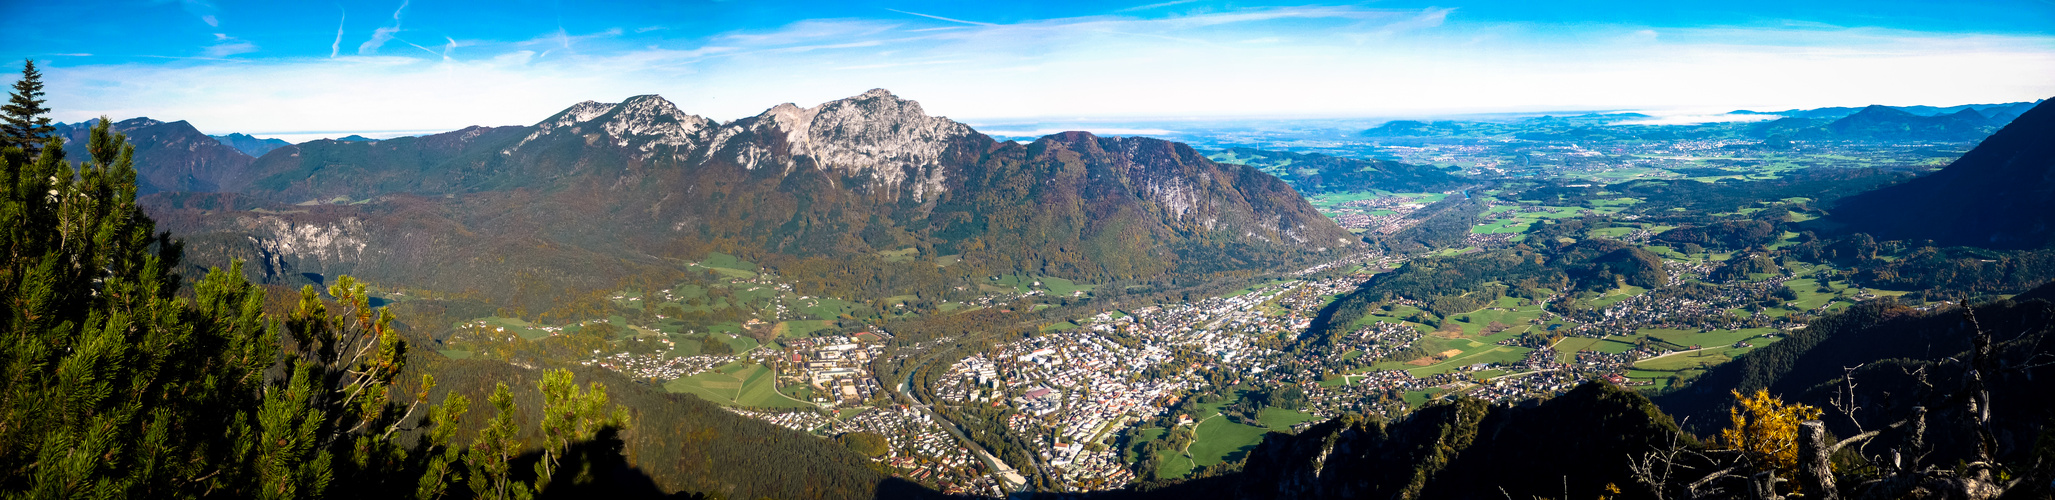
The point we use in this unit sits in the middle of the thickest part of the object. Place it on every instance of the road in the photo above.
(1004, 472)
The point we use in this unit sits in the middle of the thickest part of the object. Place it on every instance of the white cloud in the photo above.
(335, 48)
(381, 35)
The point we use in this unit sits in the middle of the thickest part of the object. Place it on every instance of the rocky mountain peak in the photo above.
(876, 132)
(647, 121)
(566, 119)
(641, 123)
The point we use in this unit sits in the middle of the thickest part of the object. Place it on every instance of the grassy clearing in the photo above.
(801, 328)
(824, 308)
(526, 330)
(1174, 465)
(1145, 435)
(1416, 398)
(1706, 339)
(1616, 295)
(1567, 348)
(1687, 361)
(745, 384)
(900, 255)
(1495, 354)
(725, 261)
(1282, 420)
(1473, 323)
(1217, 438)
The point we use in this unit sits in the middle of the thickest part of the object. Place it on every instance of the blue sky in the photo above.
(420, 65)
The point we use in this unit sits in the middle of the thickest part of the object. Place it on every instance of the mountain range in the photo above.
(1966, 123)
(251, 145)
(1314, 173)
(1999, 195)
(1885, 123)
(1996, 112)
(602, 191)
(171, 156)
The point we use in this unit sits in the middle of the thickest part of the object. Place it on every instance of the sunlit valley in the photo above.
(657, 294)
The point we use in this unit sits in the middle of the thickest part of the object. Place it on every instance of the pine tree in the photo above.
(570, 417)
(442, 466)
(114, 386)
(492, 454)
(26, 123)
(115, 383)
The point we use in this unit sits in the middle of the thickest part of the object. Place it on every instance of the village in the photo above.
(1074, 390)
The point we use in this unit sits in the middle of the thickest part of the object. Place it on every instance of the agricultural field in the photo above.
(526, 330)
(736, 384)
(1218, 438)
(900, 255)
(1016, 283)
(801, 328)
(1516, 218)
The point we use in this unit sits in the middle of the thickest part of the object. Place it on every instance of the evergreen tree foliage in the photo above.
(117, 381)
(444, 460)
(115, 386)
(492, 455)
(25, 121)
(570, 416)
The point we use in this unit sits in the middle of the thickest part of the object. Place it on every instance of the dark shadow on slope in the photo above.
(598, 469)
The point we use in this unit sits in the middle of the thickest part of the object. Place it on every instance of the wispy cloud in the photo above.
(973, 23)
(383, 34)
(1155, 5)
(335, 48)
(225, 45)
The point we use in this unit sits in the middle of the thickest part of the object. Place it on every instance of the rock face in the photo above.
(1999, 195)
(854, 176)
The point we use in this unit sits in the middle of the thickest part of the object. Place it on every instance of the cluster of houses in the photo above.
(1075, 389)
(918, 448)
(1362, 215)
(1631, 314)
(836, 367)
(659, 366)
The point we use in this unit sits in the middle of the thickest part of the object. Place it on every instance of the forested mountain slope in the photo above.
(1999, 195)
(601, 190)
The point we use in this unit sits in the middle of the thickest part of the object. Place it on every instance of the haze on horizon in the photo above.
(229, 66)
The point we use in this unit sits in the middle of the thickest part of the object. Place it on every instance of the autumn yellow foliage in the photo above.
(1767, 429)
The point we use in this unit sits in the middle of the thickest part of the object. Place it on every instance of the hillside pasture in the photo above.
(743, 384)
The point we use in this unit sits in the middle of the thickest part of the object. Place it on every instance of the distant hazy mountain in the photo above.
(600, 188)
(1892, 124)
(355, 138)
(2002, 113)
(2001, 194)
(1412, 128)
(169, 156)
(250, 145)
(1965, 123)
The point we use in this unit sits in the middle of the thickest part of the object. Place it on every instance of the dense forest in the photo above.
(124, 379)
